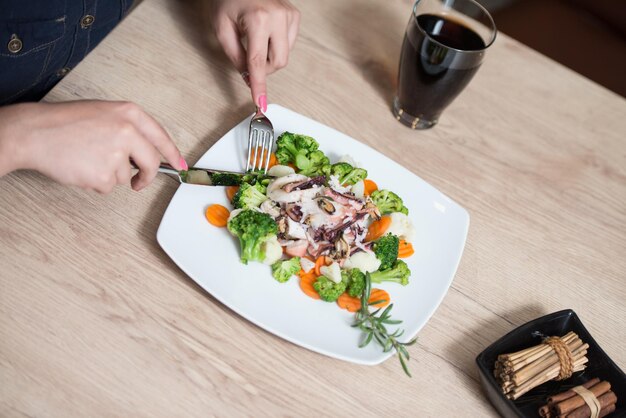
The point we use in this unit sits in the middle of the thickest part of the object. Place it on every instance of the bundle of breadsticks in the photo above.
(593, 399)
(556, 358)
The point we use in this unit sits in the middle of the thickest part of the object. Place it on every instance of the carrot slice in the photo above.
(273, 160)
(217, 215)
(405, 249)
(377, 228)
(303, 273)
(306, 284)
(231, 191)
(322, 261)
(381, 296)
(369, 186)
(352, 304)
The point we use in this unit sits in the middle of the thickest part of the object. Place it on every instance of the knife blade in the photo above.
(209, 176)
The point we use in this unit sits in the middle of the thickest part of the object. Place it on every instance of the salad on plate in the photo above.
(328, 226)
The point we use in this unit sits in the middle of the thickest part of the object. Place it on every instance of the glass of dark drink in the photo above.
(444, 44)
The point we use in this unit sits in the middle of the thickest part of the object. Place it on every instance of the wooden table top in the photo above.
(95, 319)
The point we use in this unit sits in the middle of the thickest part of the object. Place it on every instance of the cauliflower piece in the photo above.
(358, 189)
(306, 264)
(401, 226)
(332, 272)
(273, 251)
(365, 261)
(280, 170)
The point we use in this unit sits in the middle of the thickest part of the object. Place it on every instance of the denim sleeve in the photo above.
(42, 40)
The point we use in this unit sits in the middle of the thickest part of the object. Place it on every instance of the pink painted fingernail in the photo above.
(263, 102)
(183, 164)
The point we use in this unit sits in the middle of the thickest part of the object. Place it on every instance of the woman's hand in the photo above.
(267, 28)
(85, 143)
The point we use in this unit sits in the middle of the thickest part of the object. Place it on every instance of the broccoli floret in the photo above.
(249, 196)
(318, 164)
(386, 250)
(256, 177)
(329, 290)
(399, 273)
(291, 147)
(225, 179)
(356, 175)
(356, 282)
(282, 270)
(264, 180)
(347, 174)
(388, 202)
(253, 229)
(341, 169)
(217, 178)
(302, 151)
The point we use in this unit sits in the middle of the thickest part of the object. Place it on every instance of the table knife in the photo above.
(209, 176)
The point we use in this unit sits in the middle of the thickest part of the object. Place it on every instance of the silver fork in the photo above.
(260, 141)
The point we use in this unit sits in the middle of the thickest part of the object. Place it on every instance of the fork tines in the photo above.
(260, 143)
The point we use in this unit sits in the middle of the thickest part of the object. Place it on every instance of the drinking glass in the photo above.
(444, 44)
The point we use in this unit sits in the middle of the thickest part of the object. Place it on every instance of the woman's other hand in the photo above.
(85, 143)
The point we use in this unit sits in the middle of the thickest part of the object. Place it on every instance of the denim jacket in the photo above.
(42, 40)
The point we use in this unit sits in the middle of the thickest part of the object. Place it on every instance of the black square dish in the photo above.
(531, 333)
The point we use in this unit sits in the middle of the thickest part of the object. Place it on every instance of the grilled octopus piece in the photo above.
(294, 211)
(304, 184)
(344, 198)
(333, 234)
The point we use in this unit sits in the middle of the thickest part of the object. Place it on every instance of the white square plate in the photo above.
(210, 255)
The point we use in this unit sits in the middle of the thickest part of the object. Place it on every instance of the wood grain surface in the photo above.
(95, 320)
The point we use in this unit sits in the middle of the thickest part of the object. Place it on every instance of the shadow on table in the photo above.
(375, 49)
(195, 16)
(150, 224)
(474, 341)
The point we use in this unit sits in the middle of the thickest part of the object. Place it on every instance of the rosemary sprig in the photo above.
(373, 326)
